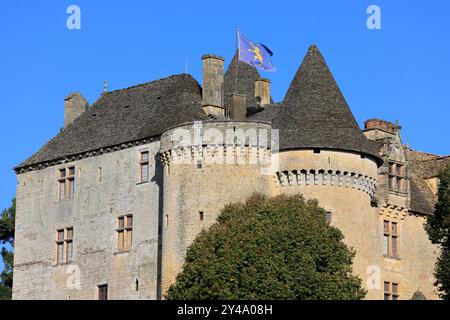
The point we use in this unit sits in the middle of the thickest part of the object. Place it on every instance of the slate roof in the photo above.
(423, 166)
(130, 114)
(314, 113)
(246, 77)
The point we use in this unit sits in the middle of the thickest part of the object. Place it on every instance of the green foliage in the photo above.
(269, 248)
(438, 229)
(7, 223)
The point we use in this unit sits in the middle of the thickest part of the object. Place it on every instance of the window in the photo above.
(201, 216)
(390, 291)
(328, 216)
(64, 245)
(103, 292)
(144, 163)
(396, 177)
(390, 245)
(124, 233)
(66, 183)
(394, 238)
(69, 244)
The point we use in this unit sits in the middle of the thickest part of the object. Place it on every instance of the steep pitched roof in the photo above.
(246, 77)
(314, 113)
(127, 115)
(423, 166)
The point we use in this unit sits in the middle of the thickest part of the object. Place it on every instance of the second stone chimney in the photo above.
(74, 106)
(262, 91)
(213, 70)
(238, 107)
(383, 125)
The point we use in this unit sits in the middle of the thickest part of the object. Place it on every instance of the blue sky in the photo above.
(400, 72)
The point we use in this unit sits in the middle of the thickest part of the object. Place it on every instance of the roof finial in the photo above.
(105, 86)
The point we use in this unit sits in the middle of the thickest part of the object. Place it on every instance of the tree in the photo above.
(269, 248)
(7, 223)
(438, 229)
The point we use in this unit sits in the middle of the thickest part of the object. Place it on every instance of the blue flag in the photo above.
(255, 54)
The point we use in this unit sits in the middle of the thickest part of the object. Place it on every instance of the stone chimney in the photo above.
(383, 125)
(213, 70)
(238, 110)
(262, 92)
(74, 105)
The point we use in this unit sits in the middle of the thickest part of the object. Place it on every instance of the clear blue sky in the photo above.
(400, 72)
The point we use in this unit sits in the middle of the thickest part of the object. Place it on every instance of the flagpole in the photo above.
(237, 64)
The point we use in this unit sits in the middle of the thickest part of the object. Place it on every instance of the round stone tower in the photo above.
(325, 156)
(207, 165)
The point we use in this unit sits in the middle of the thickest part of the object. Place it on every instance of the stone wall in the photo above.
(106, 187)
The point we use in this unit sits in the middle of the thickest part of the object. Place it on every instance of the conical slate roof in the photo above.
(246, 77)
(314, 113)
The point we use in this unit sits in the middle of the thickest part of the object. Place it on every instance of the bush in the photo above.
(269, 248)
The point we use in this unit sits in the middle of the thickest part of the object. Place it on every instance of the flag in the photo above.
(255, 54)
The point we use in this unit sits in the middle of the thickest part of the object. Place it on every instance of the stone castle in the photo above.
(108, 208)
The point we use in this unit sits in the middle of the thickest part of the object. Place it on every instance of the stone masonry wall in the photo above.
(101, 196)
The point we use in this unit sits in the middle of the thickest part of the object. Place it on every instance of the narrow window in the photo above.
(392, 168)
(71, 182)
(199, 164)
(103, 292)
(62, 184)
(400, 171)
(121, 233)
(387, 291)
(60, 246)
(201, 216)
(394, 238)
(394, 291)
(144, 163)
(328, 217)
(69, 244)
(400, 184)
(129, 232)
(386, 238)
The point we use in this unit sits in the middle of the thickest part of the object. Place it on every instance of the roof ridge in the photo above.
(151, 82)
(428, 154)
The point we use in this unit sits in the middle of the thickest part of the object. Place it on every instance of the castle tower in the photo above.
(325, 156)
(216, 163)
